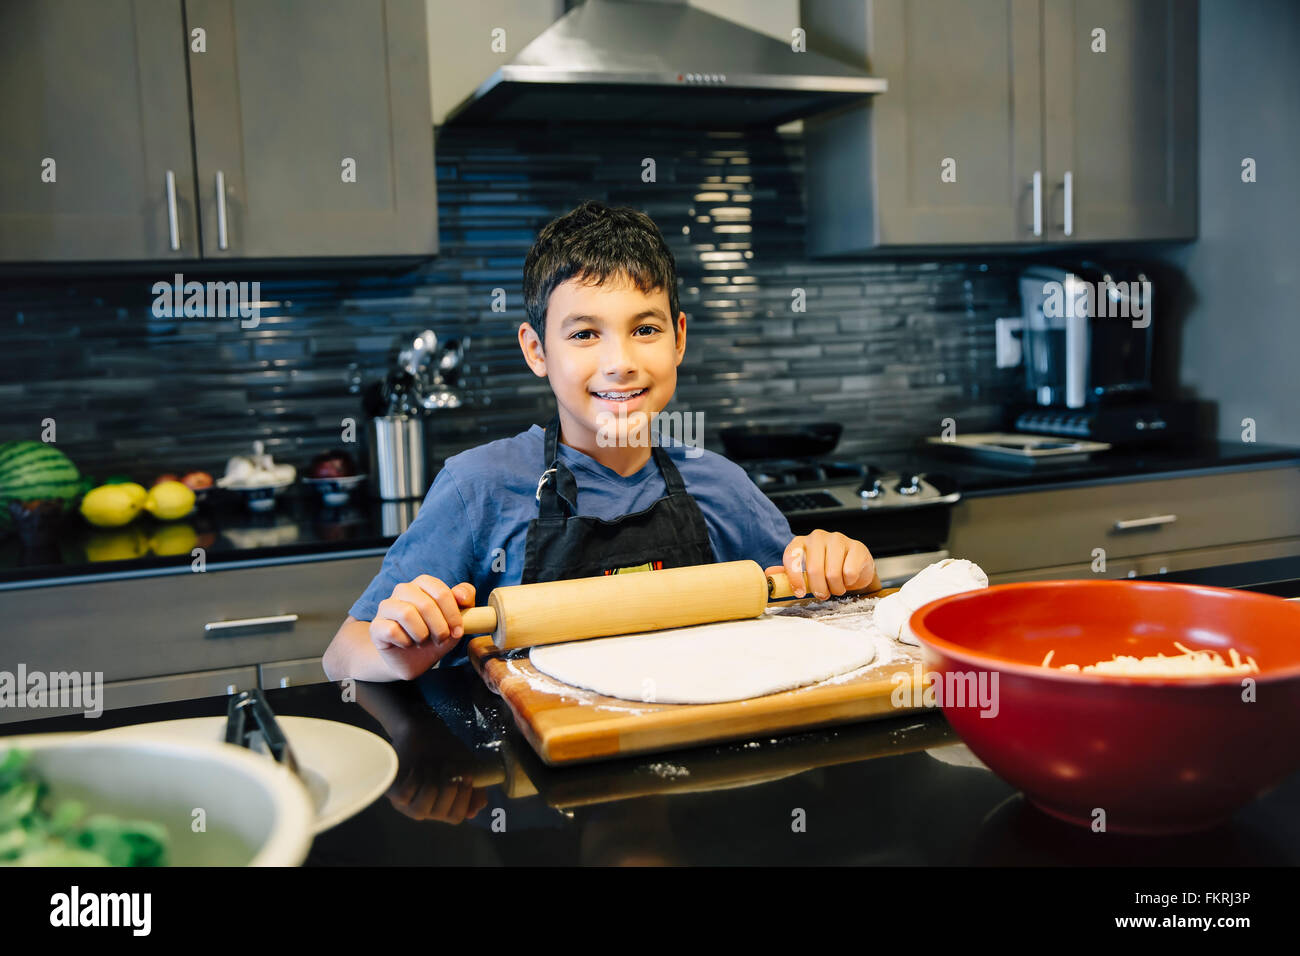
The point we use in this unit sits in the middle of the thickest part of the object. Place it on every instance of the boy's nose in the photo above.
(618, 362)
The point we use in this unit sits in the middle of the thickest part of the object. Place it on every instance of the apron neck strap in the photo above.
(558, 482)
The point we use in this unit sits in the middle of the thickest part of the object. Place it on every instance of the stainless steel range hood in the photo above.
(664, 63)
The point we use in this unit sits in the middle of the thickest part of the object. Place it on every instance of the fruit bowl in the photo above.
(335, 491)
(257, 497)
(1153, 754)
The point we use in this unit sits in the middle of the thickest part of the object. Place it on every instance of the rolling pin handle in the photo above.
(778, 586)
(479, 620)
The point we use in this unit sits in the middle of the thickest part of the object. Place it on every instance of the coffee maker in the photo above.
(1087, 343)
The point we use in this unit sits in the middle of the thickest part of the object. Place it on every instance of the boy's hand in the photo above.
(419, 623)
(833, 563)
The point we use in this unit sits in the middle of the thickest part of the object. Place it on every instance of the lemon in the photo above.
(168, 500)
(120, 545)
(178, 538)
(137, 492)
(110, 506)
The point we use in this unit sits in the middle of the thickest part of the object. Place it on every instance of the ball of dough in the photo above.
(949, 576)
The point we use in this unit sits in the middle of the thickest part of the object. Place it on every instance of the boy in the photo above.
(589, 494)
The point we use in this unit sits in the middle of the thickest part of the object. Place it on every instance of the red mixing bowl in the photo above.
(1157, 755)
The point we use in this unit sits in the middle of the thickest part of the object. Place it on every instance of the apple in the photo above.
(332, 464)
(197, 480)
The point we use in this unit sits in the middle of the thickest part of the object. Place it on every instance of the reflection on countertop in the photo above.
(299, 526)
(902, 791)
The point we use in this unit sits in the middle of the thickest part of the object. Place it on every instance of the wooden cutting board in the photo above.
(569, 725)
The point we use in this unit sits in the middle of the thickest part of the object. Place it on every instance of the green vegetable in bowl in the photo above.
(34, 831)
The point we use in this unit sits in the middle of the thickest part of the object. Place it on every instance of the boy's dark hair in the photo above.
(592, 243)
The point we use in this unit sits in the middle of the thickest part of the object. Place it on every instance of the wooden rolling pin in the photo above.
(553, 612)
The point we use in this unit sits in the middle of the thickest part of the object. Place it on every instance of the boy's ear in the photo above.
(531, 345)
(680, 344)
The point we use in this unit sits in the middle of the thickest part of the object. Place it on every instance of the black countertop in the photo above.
(976, 477)
(874, 792)
(301, 528)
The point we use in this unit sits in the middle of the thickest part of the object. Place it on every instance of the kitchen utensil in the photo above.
(251, 724)
(1157, 755)
(344, 768)
(781, 441)
(566, 725)
(397, 456)
(553, 612)
(256, 813)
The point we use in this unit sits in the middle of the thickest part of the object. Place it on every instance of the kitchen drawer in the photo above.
(142, 627)
(309, 670)
(1159, 563)
(1041, 529)
(152, 690)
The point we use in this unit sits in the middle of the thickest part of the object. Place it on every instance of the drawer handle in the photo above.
(233, 628)
(1133, 523)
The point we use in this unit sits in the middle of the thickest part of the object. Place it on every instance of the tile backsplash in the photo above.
(889, 347)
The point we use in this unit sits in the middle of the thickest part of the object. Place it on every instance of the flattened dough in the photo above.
(708, 664)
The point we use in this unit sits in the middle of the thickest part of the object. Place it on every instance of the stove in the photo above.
(902, 517)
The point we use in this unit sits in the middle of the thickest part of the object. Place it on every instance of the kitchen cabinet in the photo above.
(1121, 144)
(1176, 523)
(301, 128)
(97, 161)
(145, 634)
(286, 96)
(1002, 126)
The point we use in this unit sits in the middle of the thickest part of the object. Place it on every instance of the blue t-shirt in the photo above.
(474, 520)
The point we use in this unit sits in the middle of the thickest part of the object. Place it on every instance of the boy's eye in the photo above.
(649, 329)
(582, 334)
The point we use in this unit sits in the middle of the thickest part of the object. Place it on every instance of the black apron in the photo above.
(671, 533)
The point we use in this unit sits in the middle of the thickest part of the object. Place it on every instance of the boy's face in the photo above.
(611, 357)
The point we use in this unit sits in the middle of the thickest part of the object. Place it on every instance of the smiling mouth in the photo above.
(614, 396)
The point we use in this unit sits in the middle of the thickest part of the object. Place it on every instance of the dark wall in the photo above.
(889, 347)
(1240, 333)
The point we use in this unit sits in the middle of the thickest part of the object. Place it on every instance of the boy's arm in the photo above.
(413, 630)
(830, 562)
(412, 616)
(351, 654)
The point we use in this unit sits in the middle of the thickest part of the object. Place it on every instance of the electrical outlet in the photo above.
(1008, 332)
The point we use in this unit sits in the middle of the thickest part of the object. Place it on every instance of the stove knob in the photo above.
(871, 489)
(911, 487)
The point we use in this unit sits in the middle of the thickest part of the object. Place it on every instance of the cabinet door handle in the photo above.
(173, 224)
(1038, 202)
(1131, 523)
(1069, 203)
(222, 238)
(234, 628)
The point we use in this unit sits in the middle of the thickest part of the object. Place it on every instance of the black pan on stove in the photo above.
(747, 442)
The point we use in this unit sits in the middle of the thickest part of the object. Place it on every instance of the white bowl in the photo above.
(344, 768)
(255, 813)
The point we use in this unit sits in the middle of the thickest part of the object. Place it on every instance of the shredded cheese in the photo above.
(1190, 663)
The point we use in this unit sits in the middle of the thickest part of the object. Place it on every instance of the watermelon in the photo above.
(35, 471)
